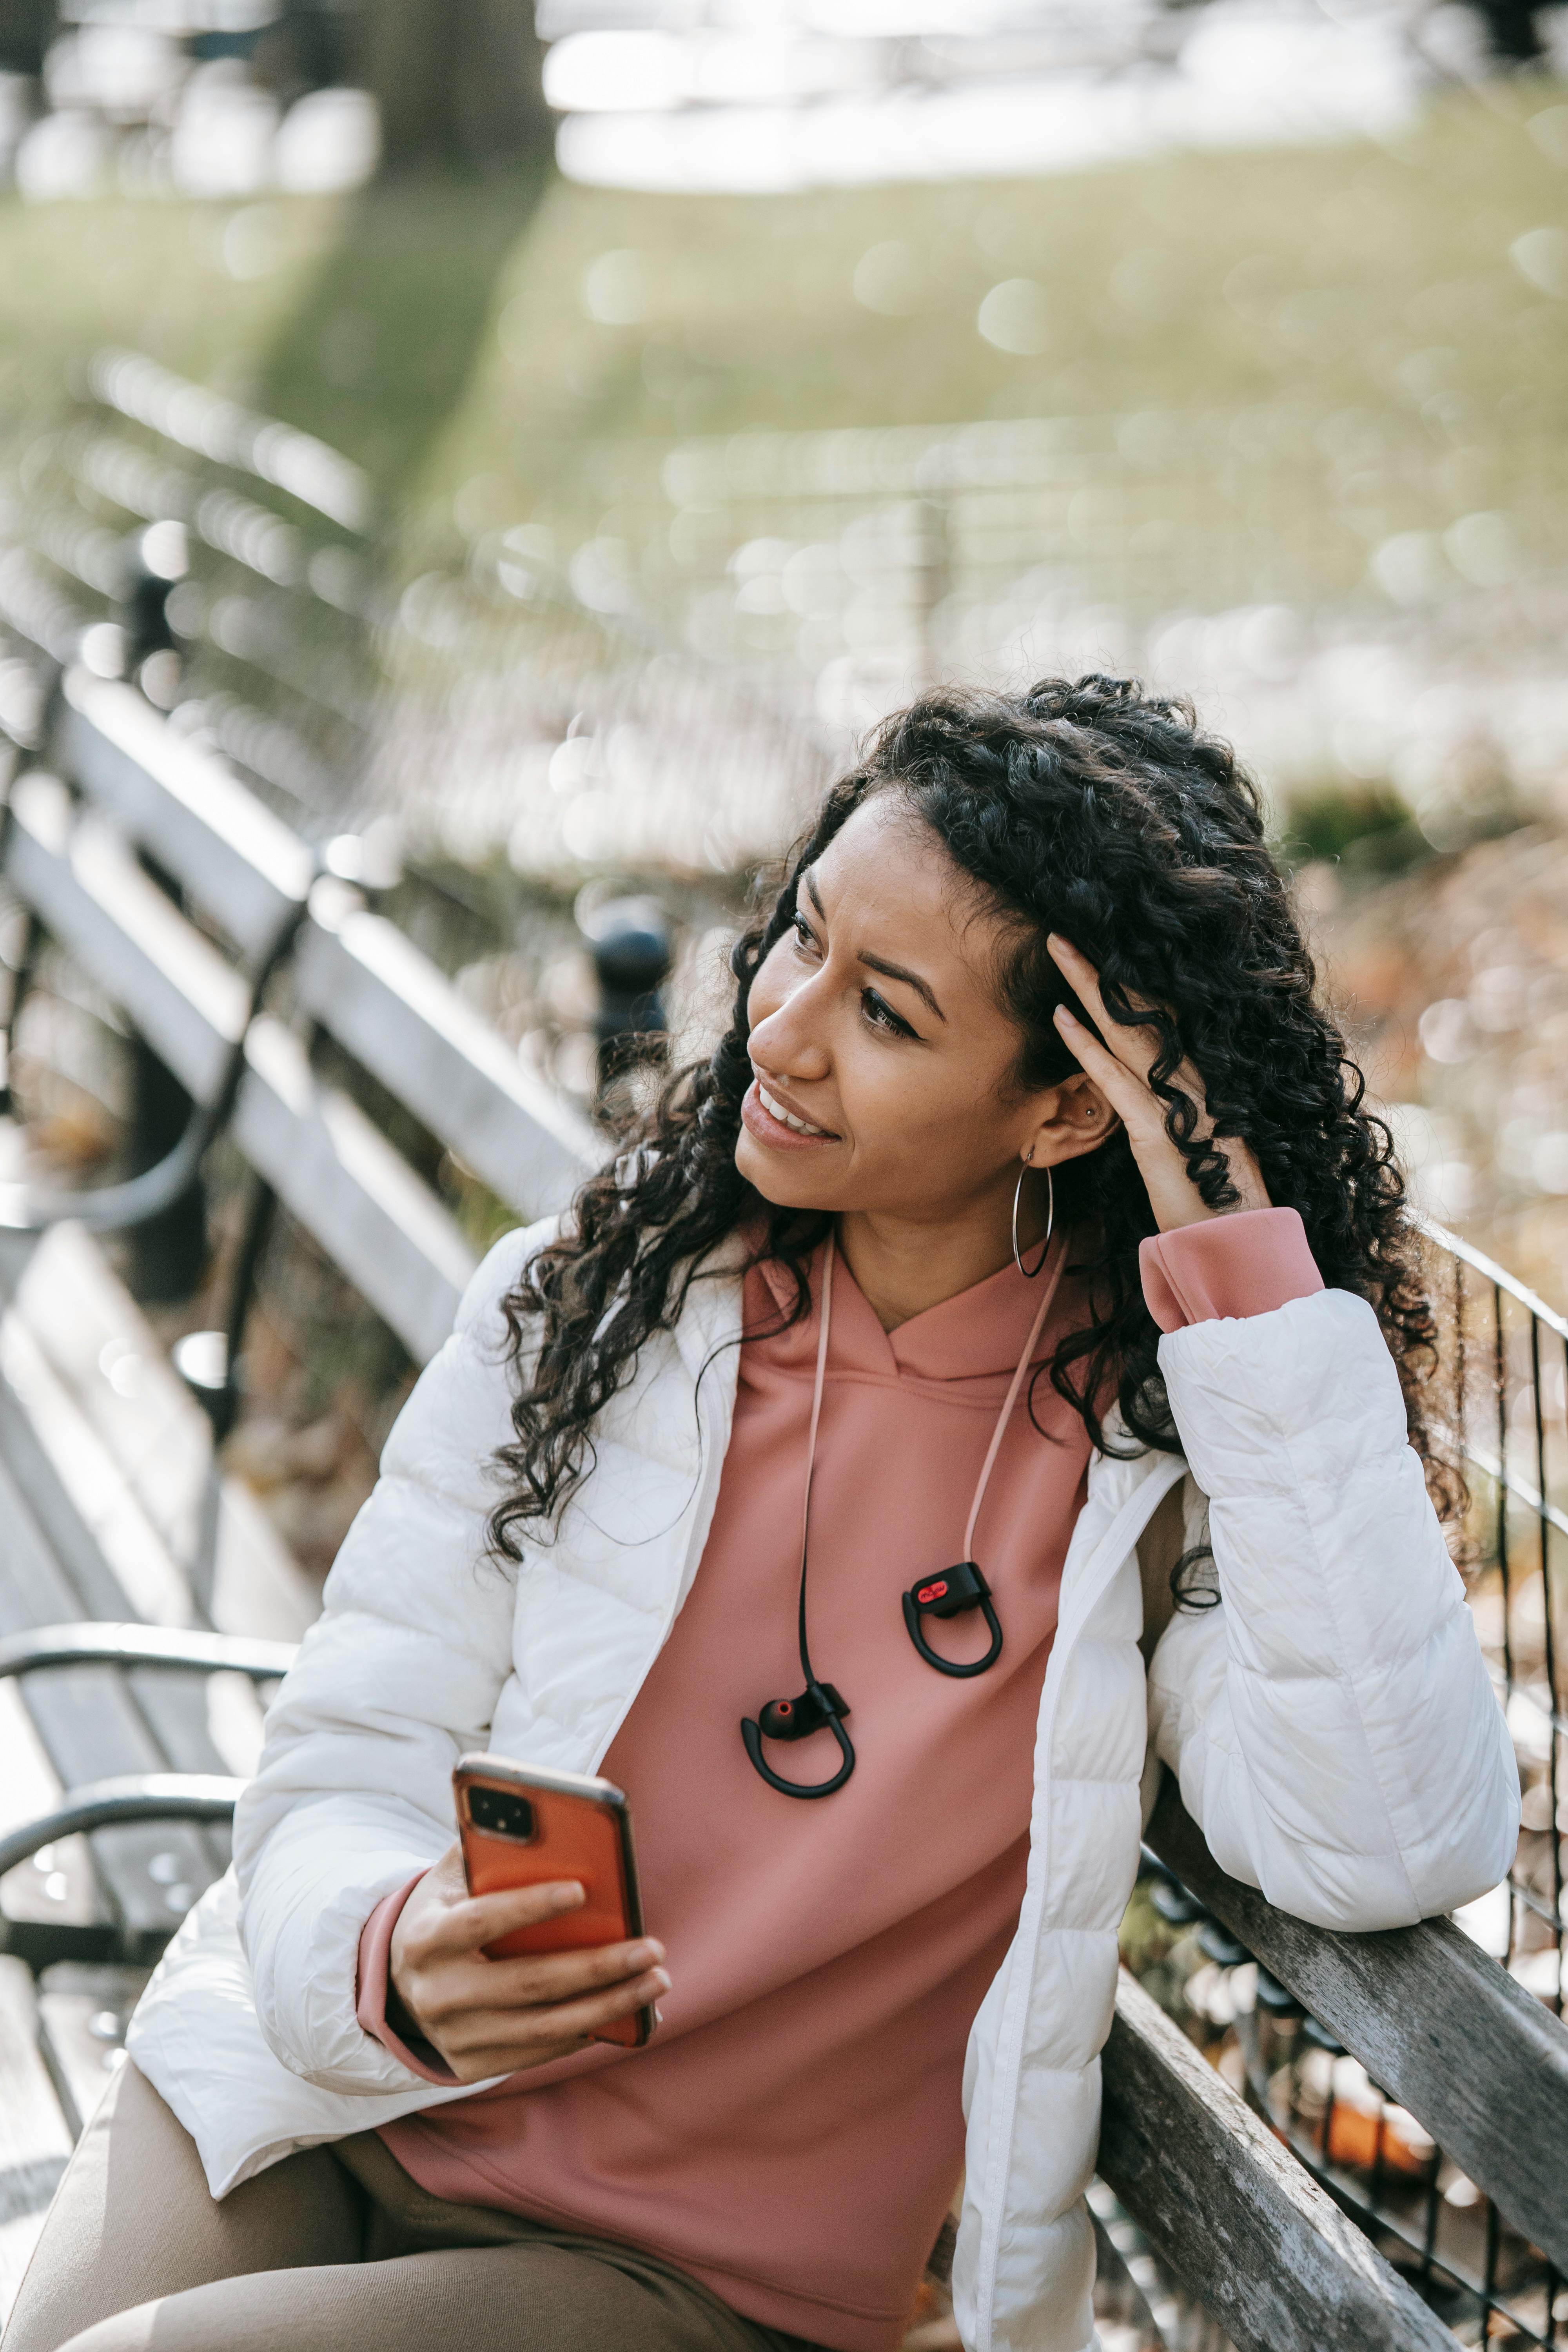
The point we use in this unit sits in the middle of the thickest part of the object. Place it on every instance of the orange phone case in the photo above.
(581, 1829)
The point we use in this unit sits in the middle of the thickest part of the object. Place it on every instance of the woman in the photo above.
(1024, 1245)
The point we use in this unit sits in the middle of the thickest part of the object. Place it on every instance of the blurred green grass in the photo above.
(438, 331)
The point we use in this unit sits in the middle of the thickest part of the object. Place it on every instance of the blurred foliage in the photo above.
(1162, 1957)
(445, 335)
(1453, 982)
(1366, 828)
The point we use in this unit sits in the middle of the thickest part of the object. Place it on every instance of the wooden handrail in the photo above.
(1437, 2024)
(1230, 2211)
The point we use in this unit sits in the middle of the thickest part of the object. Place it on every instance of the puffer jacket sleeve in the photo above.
(1331, 1722)
(399, 1675)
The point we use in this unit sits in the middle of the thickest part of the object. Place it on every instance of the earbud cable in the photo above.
(826, 1314)
(826, 1310)
(1005, 1415)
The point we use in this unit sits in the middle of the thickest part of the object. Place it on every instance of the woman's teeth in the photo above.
(785, 1118)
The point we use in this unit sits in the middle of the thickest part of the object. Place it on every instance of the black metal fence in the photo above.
(1498, 1405)
(1506, 1369)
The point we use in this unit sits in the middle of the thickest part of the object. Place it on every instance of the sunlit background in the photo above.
(531, 449)
(559, 446)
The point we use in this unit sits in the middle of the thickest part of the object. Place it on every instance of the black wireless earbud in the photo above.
(951, 1595)
(948, 1594)
(818, 1708)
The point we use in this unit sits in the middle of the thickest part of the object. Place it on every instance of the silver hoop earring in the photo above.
(1029, 1271)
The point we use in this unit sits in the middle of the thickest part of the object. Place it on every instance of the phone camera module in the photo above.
(500, 1814)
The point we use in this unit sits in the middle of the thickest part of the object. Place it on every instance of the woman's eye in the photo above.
(881, 1015)
(803, 938)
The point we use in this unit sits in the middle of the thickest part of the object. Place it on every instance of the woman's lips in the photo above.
(760, 1122)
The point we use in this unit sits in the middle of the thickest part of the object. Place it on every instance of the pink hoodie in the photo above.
(794, 2135)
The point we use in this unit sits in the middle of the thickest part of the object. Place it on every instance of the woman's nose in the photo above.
(785, 1042)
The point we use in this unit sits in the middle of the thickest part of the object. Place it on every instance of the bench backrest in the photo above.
(129, 785)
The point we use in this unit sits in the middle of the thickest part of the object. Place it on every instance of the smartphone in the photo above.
(522, 1826)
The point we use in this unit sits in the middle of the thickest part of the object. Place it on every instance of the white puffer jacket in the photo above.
(1331, 1723)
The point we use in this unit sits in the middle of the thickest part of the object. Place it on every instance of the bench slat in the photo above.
(49, 1511)
(239, 862)
(34, 1904)
(390, 1008)
(92, 1730)
(330, 1166)
(384, 1001)
(91, 893)
(1230, 2210)
(1433, 2018)
(76, 2005)
(123, 1451)
(34, 2138)
(339, 1175)
(62, 1305)
(76, 1487)
(90, 1726)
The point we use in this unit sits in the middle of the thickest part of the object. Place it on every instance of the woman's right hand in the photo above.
(487, 2017)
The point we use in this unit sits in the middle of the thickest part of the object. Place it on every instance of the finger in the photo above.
(476, 1919)
(601, 2008)
(454, 1991)
(1135, 1046)
(509, 2055)
(1127, 1094)
(536, 1978)
(1085, 978)
(524, 2029)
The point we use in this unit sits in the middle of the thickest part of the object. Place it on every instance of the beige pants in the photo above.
(334, 2250)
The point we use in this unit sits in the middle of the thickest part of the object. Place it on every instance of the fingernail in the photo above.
(566, 1897)
(1062, 1014)
(658, 1980)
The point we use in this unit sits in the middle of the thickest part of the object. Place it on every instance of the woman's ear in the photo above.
(1074, 1117)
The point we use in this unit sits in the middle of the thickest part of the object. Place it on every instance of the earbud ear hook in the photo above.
(949, 1595)
(818, 1708)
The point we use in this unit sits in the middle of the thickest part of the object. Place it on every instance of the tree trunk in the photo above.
(457, 82)
(1514, 34)
(27, 28)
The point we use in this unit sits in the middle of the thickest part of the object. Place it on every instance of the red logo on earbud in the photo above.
(785, 1706)
(931, 1591)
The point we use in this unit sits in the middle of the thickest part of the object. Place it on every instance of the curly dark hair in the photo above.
(1102, 812)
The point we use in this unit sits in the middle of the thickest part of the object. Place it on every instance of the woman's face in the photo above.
(875, 1024)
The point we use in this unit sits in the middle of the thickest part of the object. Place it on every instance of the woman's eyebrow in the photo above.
(911, 979)
(879, 964)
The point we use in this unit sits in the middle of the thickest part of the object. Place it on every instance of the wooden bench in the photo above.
(120, 1720)
(118, 1634)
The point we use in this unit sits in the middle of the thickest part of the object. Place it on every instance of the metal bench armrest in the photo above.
(194, 1652)
(137, 1797)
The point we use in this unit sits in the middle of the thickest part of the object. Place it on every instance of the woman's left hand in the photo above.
(1120, 1071)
